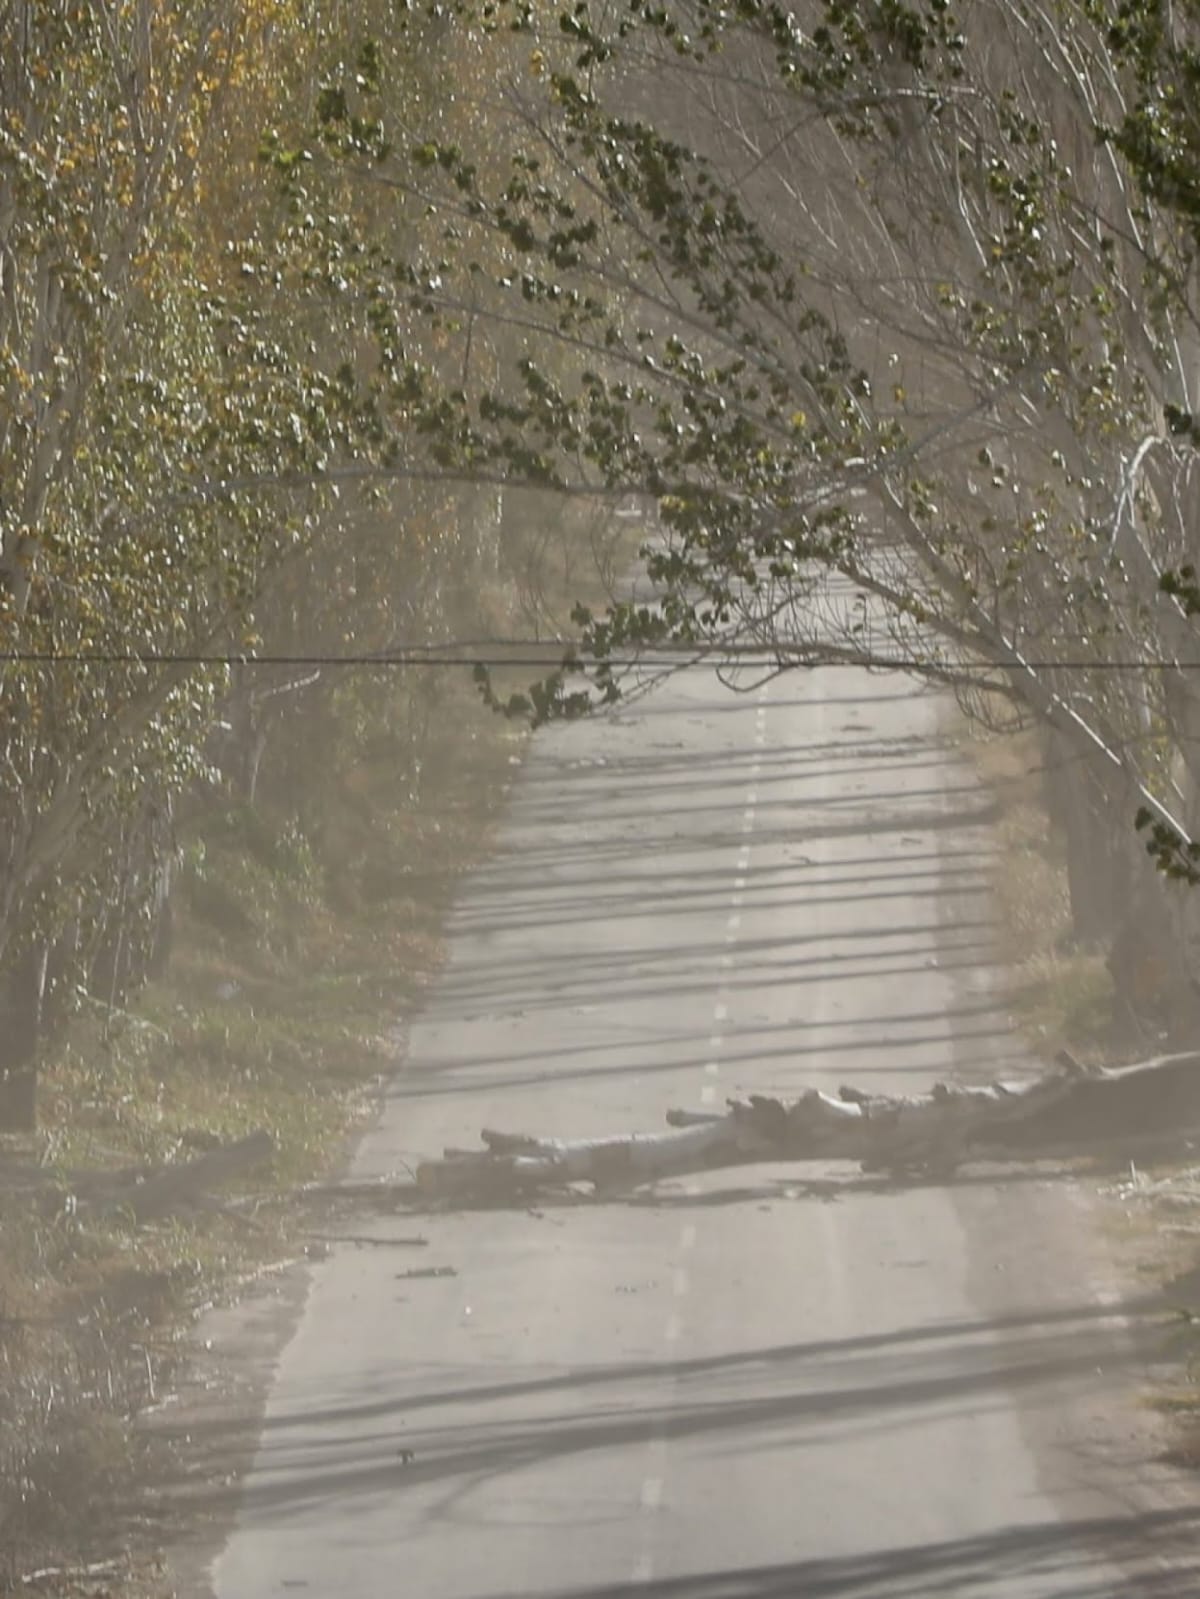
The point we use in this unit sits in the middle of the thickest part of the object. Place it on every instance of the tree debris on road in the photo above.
(1068, 1113)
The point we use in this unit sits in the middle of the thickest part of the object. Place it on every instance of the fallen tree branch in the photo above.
(159, 1193)
(1067, 1113)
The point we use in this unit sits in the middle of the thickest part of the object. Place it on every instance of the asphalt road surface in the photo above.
(767, 1382)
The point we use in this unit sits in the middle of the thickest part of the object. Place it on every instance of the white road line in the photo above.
(650, 1498)
(687, 1236)
(727, 960)
(679, 1284)
(751, 799)
(743, 858)
(715, 1041)
(707, 1094)
(734, 922)
(673, 1329)
(720, 1011)
(711, 1067)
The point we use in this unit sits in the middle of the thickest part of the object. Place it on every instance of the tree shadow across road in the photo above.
(1076, 1557)
(797, 1396)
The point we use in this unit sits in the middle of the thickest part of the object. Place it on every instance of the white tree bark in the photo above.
(1068, 1112)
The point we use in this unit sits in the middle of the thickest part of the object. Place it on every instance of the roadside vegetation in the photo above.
(305, 923)
(236, 792)
(295, 964)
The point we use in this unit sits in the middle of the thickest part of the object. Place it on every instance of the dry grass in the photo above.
(1155, 1225)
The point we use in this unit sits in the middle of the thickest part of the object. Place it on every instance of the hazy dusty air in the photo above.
(767, 1379)
(599, 812)
(772, 1378)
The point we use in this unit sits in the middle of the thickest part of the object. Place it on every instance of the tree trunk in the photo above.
(1095, 867)
(1068, 1113)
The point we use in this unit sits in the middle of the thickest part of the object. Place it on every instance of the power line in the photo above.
(680, 657)
(415, 657)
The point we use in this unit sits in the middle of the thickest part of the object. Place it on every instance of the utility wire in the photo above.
(680, 656)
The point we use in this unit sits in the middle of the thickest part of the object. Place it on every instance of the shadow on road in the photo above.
(795, 1396)
(1012, 1560)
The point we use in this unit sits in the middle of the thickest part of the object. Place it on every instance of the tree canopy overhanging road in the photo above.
(899, 294)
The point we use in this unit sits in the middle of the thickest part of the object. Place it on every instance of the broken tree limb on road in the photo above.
(514, 1164)
(1068, 1113)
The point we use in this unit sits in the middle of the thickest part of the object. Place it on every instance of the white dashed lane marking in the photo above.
(652, 1490)
(649, 1499)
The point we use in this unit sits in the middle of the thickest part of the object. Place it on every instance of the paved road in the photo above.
(754, 1385)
